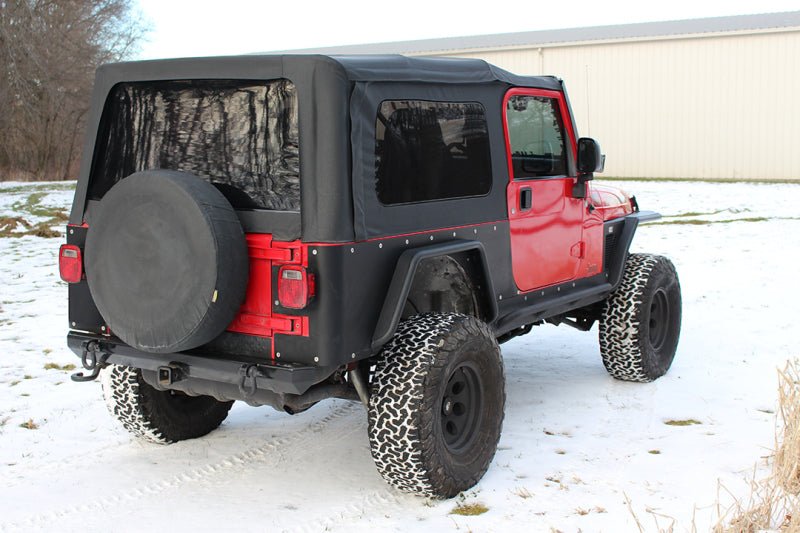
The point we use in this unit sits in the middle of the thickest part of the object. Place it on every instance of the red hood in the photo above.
(610, 201)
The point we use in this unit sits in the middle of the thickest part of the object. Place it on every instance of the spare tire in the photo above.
(166, 261)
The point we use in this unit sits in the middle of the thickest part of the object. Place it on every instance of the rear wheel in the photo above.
(437, 402)
(641, 322)
(158, 416)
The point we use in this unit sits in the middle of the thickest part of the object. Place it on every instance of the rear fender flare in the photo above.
(403, 279)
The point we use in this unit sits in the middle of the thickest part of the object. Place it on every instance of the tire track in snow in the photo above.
(263, 453)
(386, 499)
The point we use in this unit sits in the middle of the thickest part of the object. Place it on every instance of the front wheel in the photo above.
(158, 416)
(436, 408)
(641, 322)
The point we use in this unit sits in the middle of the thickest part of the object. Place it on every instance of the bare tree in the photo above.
(49, 50)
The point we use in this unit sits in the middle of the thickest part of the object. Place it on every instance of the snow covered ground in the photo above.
(576, 445)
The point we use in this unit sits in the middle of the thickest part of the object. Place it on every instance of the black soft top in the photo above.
(435, 70)
(337, 68)
(325, 85)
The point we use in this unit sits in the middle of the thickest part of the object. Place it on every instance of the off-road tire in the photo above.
(157, 416)
(641, 322)
(436, 406)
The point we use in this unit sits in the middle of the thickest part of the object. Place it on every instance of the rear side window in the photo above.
(535, 136)
(431, 151)
(242, 136)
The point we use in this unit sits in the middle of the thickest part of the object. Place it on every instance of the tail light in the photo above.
(70, 263)
(295, 287)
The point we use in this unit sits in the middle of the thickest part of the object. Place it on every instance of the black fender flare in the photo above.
(630, 223)
(403, 278)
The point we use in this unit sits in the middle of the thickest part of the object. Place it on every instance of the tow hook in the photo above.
(248, 385)
(93, 358)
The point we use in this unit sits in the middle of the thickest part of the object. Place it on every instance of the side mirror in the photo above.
(590, 160)
(589, 157)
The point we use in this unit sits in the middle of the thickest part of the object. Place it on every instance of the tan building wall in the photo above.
(717, 105)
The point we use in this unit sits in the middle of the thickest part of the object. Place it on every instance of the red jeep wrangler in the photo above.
(283, 229)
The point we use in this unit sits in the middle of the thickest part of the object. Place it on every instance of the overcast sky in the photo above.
(183, 28)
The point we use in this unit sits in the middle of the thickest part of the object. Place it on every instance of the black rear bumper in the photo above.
(175, 367)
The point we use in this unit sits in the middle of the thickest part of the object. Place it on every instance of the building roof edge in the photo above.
(736, 23)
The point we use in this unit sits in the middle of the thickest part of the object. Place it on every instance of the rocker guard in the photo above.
(278, 378)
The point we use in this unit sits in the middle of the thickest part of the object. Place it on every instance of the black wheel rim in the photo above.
(659, 318)
(461, 408)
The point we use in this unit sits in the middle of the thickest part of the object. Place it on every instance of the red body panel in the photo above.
(593, 237)
(256, 316)
(543, 238)
(611, 202)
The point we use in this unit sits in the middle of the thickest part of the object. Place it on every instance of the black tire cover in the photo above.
(166, 261)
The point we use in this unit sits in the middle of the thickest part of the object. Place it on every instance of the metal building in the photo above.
(706, 98)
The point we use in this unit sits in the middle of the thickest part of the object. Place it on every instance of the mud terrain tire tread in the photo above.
(405, 412)
(158, 416)
(625, 345)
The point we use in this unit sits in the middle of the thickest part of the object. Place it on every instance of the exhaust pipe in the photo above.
(170, 378)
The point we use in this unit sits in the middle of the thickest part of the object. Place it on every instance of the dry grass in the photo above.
(56, 366)
(681, 423)
(9, 225)
(773, 504)
(30, 424)
(472, 509)
(522, 492)
(655, 516)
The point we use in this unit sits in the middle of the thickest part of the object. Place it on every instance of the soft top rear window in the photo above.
(240, 135)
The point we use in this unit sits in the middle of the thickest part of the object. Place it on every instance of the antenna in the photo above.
(588, 115)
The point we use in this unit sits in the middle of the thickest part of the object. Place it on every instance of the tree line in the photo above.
(49, 50)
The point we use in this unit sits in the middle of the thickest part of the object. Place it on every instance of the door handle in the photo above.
(525, 199)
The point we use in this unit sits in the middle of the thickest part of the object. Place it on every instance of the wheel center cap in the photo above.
(447, 407)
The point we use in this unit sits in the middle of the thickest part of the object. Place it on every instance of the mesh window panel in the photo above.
(240, 135)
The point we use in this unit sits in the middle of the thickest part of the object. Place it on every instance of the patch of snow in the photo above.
(577, 446)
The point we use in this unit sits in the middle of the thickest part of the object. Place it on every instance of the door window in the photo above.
(535, 137)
